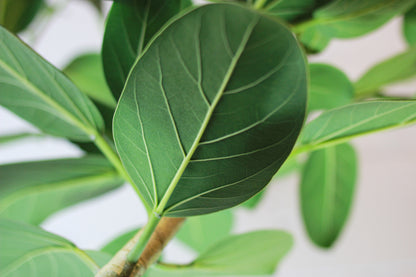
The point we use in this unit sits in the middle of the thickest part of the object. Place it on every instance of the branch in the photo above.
(119, 266)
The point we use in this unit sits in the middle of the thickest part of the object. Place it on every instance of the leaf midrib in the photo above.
(160, 208)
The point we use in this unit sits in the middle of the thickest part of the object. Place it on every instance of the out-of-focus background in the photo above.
(380, 237)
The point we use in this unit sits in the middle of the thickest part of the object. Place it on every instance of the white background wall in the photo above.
(379, 239)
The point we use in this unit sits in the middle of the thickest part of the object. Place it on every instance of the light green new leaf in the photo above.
(211, 110)
(409, 26)
(29, 251)
(289, 9)
(326, 192)
(397, 68)
(200, 232)
(255, 253)
(39, 93)
(329, 87)
(117, 243)
(130, 26)
(350, 18)
(344, 123)
(16, 15)
(86, 71)
(32, 191)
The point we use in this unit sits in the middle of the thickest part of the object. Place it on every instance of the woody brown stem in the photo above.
(119, 266)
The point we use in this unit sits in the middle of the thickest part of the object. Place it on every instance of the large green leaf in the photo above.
(341, 124)
(200, 232)
(350, 18)
(397, 68)
(32, 191)
(86, 71)
(29, 251)
(329, 87)
(409, 26)
(211, 110)
(326, 192)
(130, 26)
(36, 91)
(255, 253)
(16, 15)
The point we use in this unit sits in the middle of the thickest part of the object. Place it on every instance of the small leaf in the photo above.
(289, 9)
(409, 26)
(117, 243)
(32, 191)
(350, 18)
(39, 93)
(14, 137)
(16, 15)
(87, 73)
(326, 192)
(28, 250)
(130, 26)
(344, 123)
(255, 253)
(200, 232)
(229, 88)
(329, 87)
(397, 68)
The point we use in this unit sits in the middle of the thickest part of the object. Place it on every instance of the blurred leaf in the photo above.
(213, 134)
(200, 232)
(100, 258)
(87, 73)
(28, 250)
(409, 26)
(348, 19)
(397, 68)
(32, 191)
(117, 243)
(14, 137)
(344, 123)
(130, 26)
(326, 192)
(255, 253)
(97, 4)
(16, 15)
(289, 9)
(39, 93)
(329, 87)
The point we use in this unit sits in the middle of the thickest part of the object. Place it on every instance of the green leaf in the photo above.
(211, 110)
(326, 192)
(200, 232)
(87, 73)
(32, 191)
(289, 9)
(397, 68)
(29, 251)
(350, 18)
(329, 87)
(255, 253)
(117, 243)
(16, 15)
(14, 137)
(130, 26)
(36, 91)
(344, 123)
(409, 26)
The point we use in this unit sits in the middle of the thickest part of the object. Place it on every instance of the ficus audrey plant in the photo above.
(197, 107)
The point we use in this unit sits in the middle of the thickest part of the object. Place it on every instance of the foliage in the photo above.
(198, 108)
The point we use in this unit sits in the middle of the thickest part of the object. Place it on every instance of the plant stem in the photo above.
(147, 232)
(259, 4)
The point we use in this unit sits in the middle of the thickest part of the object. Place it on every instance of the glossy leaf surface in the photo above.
(397, 68)
(87, 73)
(200, 232)
(255, 253)
(211, 110)
(326, 192)
(16, 15)
(39, 93)
(130, 26)
(32, 191)
(29, 251)
(329, 87)
(409, 26)
(353, 120)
